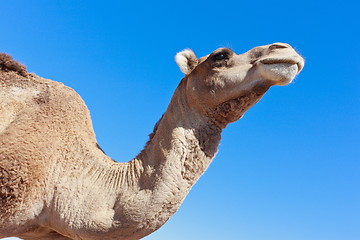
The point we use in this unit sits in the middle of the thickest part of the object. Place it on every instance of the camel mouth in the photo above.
(288, 61)
(281, 71)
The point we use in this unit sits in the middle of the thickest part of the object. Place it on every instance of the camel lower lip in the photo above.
(280, 73)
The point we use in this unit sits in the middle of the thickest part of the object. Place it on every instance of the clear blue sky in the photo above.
(289, 170)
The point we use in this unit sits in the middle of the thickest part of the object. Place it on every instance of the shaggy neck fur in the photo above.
(234, 109)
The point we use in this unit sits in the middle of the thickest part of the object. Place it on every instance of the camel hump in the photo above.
(7, 63)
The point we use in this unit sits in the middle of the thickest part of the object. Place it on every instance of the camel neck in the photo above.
(184, 142)
(178, 153)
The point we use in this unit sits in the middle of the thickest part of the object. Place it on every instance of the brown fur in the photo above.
(8, 64)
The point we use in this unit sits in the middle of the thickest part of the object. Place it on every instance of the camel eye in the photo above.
(220, 56)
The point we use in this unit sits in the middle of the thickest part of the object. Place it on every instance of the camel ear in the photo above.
(186, 60)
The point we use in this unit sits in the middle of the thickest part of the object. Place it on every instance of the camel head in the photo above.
(224, 85)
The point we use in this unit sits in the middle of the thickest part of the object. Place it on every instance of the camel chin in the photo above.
(281, 71)
(280, 74)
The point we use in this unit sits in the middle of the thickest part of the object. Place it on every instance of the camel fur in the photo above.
(55, 181)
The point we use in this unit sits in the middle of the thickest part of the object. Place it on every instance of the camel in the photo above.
(56, 182)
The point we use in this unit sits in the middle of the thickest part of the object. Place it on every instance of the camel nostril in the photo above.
(278, 46)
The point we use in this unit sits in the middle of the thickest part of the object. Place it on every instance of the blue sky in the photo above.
(288, 170)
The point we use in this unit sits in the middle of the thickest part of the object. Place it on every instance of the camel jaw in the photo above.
(233, 109)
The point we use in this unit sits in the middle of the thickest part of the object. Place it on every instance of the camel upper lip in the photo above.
(299, 63)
